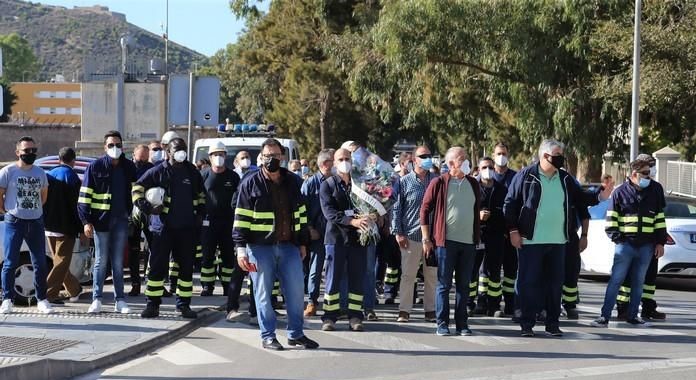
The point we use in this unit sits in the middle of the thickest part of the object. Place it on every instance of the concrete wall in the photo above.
(49, 139)
(144, 105)
(99, 106)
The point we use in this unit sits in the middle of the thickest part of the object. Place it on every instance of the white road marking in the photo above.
(185, 353)
(629, 329)
(382, 341)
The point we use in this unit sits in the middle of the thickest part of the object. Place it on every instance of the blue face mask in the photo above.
(644, 182)
(426, 163)
(305, 170)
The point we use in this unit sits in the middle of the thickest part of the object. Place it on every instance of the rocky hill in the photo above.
(68, 40)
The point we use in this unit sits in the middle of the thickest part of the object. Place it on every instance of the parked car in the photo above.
(680, 252)
(83, 257)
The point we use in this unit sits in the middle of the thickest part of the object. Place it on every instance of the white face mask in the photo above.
(501, 160)
(217, 161)
(180, 156)
(114, 152)
(486, 173)
(466, 167)
(344, 167)
(244, 163)
(653, 171)
(158, 156)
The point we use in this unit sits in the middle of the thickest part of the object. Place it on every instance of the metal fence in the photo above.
(680, 178)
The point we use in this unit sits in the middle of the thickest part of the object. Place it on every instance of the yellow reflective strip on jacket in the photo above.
(84, 200)
(612, 213)
(261, 227)
(660, 225)
(496, 293)
(625, 289)
(155, 283)
(355, 297)
(195, 202)
(569, 298)
(569, 290)
(628, 228)
(184, 293)
(298, 227)
(227, 270)
(138, 188)
(352, 306)
(85, 189)
(646, 219)
(648, 288)
(622, 298)
(334, 307)
(243, 211)
(392, 270)
(628, 219)
(207, 278)
(101, 196)
(154, 293)
(332, 297)
(647, 296)
(612, 224)
(241, 224)
(647, 230)
(660, 215)
(303, 220)
(165, 210)
(184, 284)
(207, 270)
(101, 206)
(263, 215)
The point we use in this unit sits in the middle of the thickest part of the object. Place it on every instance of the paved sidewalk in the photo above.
(72, 342)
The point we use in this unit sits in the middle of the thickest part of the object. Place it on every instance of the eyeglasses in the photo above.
(271, 155)
(29, 150)
(424, 156)
(645, 173)
(117, 145)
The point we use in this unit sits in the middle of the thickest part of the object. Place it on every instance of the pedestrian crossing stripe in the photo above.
(184, 353)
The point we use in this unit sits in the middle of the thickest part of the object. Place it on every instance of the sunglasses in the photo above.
(156, 149)
(424, 156)
(485, 167)
(272, 155)
(117, 145)
(645, 173)
(29, 150)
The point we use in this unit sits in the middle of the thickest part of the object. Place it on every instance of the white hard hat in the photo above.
(348, 144)
(219, 146)
(168, 136)
(155, 196)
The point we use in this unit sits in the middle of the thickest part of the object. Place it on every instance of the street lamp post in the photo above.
(635, 98)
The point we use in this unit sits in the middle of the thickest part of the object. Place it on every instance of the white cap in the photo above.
(219, 146)
(348, 144)
(155, 196)
(169, 136)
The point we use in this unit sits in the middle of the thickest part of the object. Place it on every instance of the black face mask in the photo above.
(271, 164)
(557, 161)
(28, 158)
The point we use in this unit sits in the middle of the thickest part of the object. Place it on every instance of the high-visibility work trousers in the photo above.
(571, 295)
(509, 276)
(489, 281)
(180, 242)
(338, 258)
(217, 236)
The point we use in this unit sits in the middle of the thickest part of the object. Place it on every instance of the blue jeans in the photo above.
(633, 260)
(453, 259)
(370, 297)
(108, 247)
(31, 231)
(281, 261)
(540, 282)
(316, 266)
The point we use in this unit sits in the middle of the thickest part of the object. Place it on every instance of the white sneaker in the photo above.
(121, 307)
(77, 297)
(95, 307)
(45, 307)
(6, 307)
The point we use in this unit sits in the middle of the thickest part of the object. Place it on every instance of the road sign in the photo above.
(206, 100)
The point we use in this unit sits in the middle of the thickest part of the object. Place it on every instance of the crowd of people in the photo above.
(506, 241)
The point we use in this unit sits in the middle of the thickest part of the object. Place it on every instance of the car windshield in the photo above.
(680, 208)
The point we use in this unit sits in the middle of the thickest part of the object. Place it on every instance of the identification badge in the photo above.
(349, 213)
(481, 246)
(206, 223)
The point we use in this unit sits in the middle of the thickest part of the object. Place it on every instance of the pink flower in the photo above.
(387, 192)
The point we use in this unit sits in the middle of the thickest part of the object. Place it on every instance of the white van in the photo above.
(251, 142)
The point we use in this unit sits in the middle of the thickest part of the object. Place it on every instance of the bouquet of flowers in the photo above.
(372, 191)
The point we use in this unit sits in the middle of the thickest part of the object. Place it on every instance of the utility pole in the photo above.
(635, 98)
(190, 117)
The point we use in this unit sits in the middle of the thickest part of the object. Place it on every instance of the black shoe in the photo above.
(527, 332)
(653, 315)
(516, 316)
(637, 321)
(57, 302)
(135, 290)
(389, 300)
(572, 313)
(186, 312)
(272, 344)
(207, 291)
(541, 317)
(303, 342)
(151, 311)
(554, 331)
(165, 293)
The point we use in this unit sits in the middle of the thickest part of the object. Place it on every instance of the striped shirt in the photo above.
(406, 210)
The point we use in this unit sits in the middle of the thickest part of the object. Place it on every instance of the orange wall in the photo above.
(32, 108)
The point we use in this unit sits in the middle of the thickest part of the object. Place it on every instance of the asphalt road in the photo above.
(387, 350)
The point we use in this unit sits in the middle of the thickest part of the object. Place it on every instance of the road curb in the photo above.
(43, 368)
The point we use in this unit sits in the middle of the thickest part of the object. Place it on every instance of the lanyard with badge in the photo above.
(346, 190)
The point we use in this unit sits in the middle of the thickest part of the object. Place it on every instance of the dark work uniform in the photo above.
(134, 232)
(509, 254)
(343, 250)
(217, 228)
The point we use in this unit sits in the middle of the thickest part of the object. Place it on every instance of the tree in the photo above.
(8, 99)
(19, 61)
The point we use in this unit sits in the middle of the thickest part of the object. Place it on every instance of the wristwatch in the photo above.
(426, 240)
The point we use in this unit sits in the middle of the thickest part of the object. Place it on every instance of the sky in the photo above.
(202, 25)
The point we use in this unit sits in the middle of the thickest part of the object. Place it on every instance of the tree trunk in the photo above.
(323, 111)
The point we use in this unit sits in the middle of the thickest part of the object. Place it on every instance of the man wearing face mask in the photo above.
(493, 241)
(295, 167)
(23, 192)
(271, 238)
(343, 249)
(636, 224)
(648, 303)
(450, 226)
(220, 185)
(181, 215)
(317, 229)
(104, 207)
(304, 169)
(242, 163)
(405, 225)
(141, 156)
(504, 175)
(540, 232)
(156, 152)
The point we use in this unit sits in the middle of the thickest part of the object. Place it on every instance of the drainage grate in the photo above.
(10, 359)
(33, 346)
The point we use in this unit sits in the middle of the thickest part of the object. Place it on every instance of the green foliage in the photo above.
(18, 58)
(8, 99)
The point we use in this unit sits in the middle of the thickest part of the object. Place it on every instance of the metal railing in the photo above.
(680, 178)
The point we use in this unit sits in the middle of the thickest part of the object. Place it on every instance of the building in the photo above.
(47, 103)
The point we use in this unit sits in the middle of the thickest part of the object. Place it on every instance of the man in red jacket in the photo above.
(450, 216)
